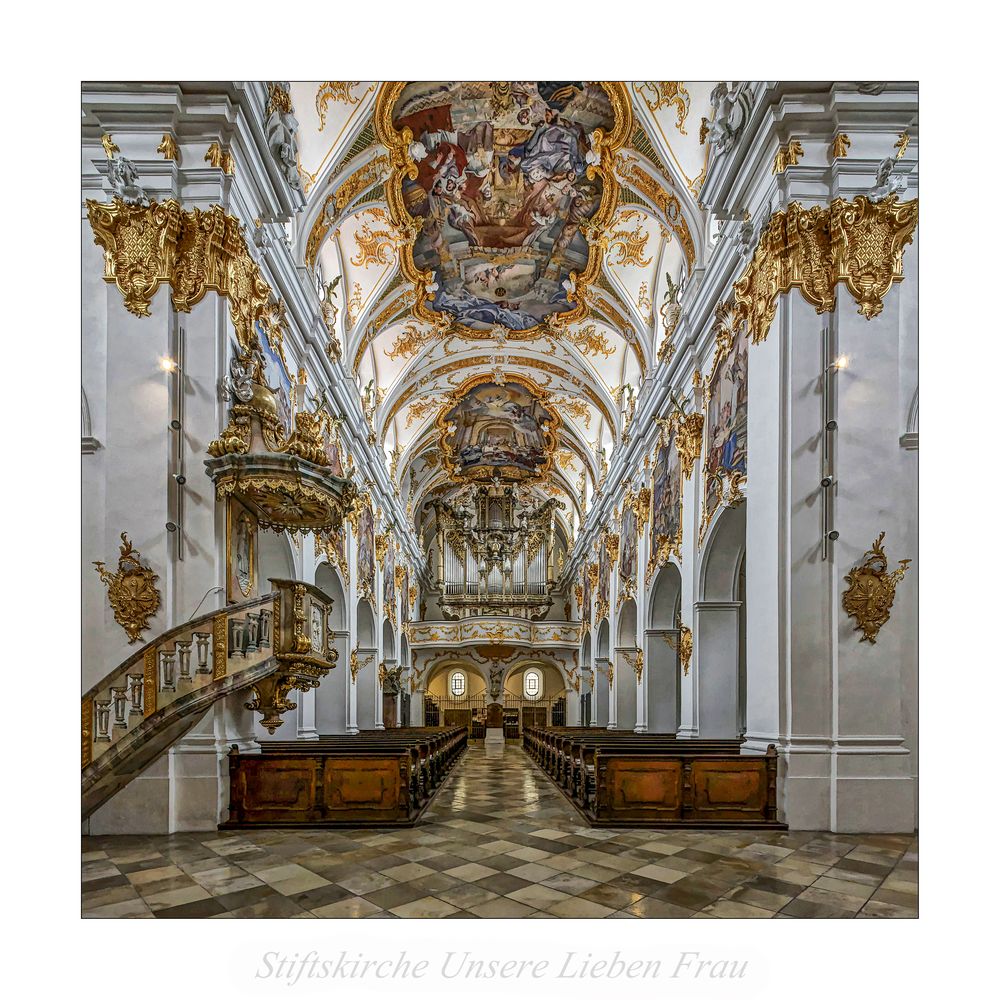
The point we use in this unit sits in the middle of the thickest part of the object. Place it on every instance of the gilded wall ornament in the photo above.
(871, 590)
(132, 591)
(841, 143)
(221, 159)
(381, 547)
(375, 246)
(612, 541)
(683, 645)
(591, 341)
(787, 156)
(643, 501)
(168, 147)
(635, 661)
(858, 242)
(689, 429)
(901, 144)
(629, 244)
(110, 146)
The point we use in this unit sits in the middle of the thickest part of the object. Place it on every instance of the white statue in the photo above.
(731, 114)
(885, 184)
(496, 676)
(124, 180)
(280, 127)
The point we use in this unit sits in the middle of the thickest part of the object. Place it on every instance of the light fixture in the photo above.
(167, 364)
(833, 535)
(170, 526)
(841, 362)
(175, 425)
(826, 482)
(179, 479)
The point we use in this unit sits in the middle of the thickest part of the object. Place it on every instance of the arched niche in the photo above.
(586, 697)
(366, 625)
(274, 556)
(626, 684)
(328, 580)
(720, 627)
(388, 641)
(663, 666)
(602, 689)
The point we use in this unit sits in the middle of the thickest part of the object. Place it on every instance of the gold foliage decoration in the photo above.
(684, 645)
(840, 145)
(194, 251)
(337, 91)
(666, 94)
(132, 591)
(375, 246)
(629, 244)
(871, 590)
(689, 434)
(591, 341)
(787, 156)
(858, 242)
(408, 343)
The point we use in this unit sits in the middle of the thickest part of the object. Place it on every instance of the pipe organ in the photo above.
(495, 553)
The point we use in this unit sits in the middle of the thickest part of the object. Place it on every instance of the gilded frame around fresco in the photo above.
(402, 165)
(550, 435)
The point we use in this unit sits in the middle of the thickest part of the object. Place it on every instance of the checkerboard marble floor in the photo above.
(500, 840)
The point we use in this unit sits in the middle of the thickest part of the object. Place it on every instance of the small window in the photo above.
(532, 684)
(458, 684)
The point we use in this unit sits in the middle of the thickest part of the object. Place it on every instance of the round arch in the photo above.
(720, 628)
(366, 625)
(328, 580)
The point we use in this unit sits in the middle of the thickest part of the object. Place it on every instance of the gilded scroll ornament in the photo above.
(901, 144)
(643, 501)
(221, 159)
(667, 94)
(357, 664)
(132, 591)
(612, 541)
(689, 429)
(635, 661)
(684, 645)
(110, 146)
(381, 547)
(787, 156)
(841, 143)
(871, 591)
(858, 242)
(337, 91)
(168, 147)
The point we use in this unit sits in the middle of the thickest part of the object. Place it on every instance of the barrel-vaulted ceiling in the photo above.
(511, 233)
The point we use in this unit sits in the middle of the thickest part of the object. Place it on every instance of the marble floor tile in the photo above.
(500, 841)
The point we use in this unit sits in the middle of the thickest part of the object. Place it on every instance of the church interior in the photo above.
(499, 499)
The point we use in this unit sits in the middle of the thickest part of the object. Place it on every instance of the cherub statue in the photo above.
(280, 128)
(124, 180)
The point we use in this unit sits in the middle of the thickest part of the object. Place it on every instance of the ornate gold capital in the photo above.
(195, 251)
(858, 242)
(689, 434)
(613, 542)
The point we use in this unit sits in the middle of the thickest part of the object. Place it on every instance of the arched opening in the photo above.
(534, 694)
(720, 630)
(602, 663)
(663, 665)
(332, 694)
(587, 697)
(390, 690)
(275, 560)
(368, 674)
(626, 686)
(456, 696)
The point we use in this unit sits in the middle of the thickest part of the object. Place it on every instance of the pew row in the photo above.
(375, 778)
(658, 780)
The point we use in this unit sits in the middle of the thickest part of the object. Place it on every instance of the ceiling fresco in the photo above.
(495, 238)
(501, 181)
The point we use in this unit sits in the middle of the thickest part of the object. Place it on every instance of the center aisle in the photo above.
(499, 840)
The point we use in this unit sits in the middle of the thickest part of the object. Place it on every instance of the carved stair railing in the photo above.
(268, 645)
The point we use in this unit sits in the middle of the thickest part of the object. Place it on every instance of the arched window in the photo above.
(532, 684)
(457, 684)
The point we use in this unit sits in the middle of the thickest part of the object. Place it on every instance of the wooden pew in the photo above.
(647, 779)
(376, 778)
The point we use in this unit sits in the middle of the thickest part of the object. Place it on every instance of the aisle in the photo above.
(500, 840)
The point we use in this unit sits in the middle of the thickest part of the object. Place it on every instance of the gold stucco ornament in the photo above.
(132, 591)
(871, 590)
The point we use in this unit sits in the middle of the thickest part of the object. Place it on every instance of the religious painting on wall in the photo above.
(726, 426)
(667, 496)
(503, 189)
(366, 552)
(389, 583)
(602, 605)
(241, 529)
(406, 594)
(502, 431)
(630, 549)
(332, 449)
(276, 378)
(585, 609)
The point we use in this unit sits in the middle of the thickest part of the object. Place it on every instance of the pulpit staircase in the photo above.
(266, 646)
